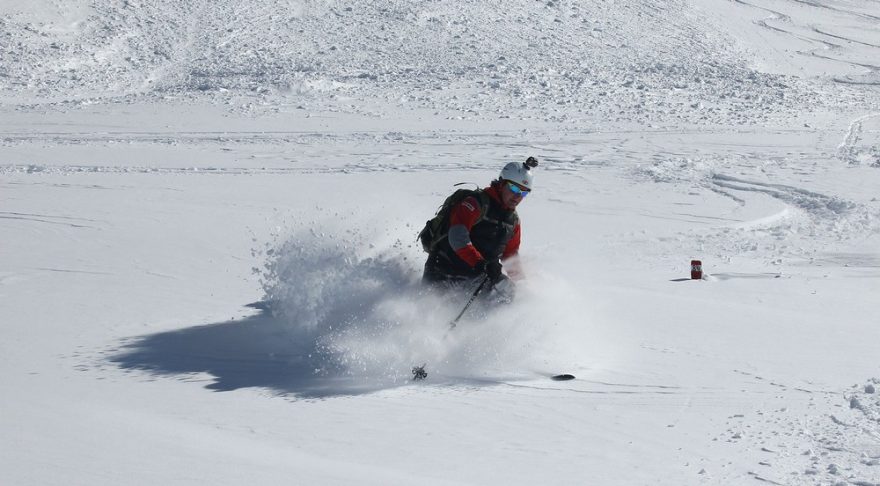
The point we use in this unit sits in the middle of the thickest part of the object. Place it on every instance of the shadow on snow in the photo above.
(257, 351)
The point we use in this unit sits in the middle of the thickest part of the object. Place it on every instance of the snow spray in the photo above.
(696, 270)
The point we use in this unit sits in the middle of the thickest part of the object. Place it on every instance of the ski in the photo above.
(419, 373)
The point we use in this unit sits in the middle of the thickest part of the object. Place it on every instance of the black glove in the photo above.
(493, 270)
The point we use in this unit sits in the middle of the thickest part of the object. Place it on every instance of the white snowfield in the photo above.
(209, 271)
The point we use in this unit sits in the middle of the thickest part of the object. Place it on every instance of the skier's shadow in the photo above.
(257, 351)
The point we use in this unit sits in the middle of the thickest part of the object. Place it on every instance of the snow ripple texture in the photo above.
(801, 446)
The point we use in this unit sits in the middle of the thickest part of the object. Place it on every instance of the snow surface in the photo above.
(209, 273)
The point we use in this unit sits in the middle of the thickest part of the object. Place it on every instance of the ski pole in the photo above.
(469, 302)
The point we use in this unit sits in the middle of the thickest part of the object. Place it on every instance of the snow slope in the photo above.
(209, 271)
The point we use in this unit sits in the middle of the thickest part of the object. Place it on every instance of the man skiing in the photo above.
(476, 230)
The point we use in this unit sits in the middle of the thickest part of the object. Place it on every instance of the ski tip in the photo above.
(563, 377)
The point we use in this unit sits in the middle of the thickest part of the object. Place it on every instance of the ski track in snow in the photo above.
(807, 221)
(849, 46)
(856, 151)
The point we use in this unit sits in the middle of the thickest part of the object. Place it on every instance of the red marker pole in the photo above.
(696, 270)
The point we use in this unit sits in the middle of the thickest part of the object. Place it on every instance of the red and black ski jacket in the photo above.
(477, 233)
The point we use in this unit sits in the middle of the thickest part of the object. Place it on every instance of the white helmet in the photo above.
(519, 173)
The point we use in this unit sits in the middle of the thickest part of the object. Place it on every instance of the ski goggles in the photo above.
(516, 190)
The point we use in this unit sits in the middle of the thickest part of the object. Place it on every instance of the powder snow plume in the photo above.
(361, 305)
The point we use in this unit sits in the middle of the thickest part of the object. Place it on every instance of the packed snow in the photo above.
(209, 270)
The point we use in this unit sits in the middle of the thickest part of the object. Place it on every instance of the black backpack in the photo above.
(437, 227)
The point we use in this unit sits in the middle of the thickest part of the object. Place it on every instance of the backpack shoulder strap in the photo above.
(437, 228)
(462, 194)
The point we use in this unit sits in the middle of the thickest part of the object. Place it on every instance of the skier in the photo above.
(476, 230)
